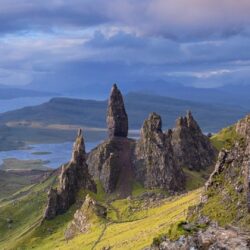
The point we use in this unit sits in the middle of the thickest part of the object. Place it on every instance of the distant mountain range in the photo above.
(12, 93)
(91, 113)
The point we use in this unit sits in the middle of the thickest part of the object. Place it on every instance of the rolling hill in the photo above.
(91, 113)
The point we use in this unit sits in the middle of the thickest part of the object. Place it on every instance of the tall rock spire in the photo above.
(73, 177)
(117, 119)
(79, 154)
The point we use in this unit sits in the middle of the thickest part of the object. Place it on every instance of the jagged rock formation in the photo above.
(225, 202)
(117, 119)
(111, 164)
(90, 212)
(212, 238)
(192, 148)
(73, 177)
(111, 161)
(119, 161)
(155, 165)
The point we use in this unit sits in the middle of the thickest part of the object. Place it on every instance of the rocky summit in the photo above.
(73, 177)
(192, 149)
(155, 164)
(117, 119)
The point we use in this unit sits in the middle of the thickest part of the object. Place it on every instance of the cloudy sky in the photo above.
(58, 43)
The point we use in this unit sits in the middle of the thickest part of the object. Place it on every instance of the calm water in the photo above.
(59, 153)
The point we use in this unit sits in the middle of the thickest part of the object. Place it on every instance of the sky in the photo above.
(60, 44)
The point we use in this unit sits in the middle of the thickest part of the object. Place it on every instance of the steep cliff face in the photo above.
(226, 198)
(155, 164)
(117, 119)
(73, 177)
(192, 149)
(111, 164)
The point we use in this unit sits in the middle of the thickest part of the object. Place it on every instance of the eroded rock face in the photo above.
(228, 185)
(212, 238)
(192, 149)
(73, 177)
(155, 165)
(117, 119)
(111, 164)
(90, 212)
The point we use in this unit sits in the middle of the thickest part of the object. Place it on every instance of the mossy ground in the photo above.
(225, 205)
(196, 179)
(128, 225)
(223, 199)
(225, 138)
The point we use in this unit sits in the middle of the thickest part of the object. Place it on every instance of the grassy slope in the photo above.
(123, 229)
(196, 179)
(225, 138)
(12, 181)
(223, 198)
(25, 208)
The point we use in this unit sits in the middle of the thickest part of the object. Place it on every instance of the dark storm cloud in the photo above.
(177, 19)
(202, 43)
(23, 15)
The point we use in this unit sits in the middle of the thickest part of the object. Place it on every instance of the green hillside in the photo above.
(21, 228)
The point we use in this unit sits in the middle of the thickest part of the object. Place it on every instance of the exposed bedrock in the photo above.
(192, 149)
(155, 164)
(73, 177)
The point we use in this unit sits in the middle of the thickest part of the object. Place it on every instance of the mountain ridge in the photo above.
(211, 117)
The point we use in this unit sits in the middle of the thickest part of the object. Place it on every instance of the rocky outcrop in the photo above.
(155, 165)
(90, 212)
(111, 161)
(233, 165)
(111, 164)
(117, 119)
(191, 147)
(226, 196)
(73, 177)
(212, 238)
